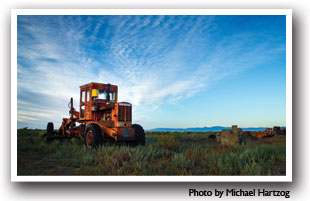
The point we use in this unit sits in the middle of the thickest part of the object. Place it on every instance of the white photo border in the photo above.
(289, 129)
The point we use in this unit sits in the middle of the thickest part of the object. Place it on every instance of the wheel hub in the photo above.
(89, 138)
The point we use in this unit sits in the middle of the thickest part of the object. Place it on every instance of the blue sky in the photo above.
(177, 71)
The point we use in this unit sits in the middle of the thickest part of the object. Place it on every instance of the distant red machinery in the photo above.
(247, 133)
(266, 133)
(278, 131)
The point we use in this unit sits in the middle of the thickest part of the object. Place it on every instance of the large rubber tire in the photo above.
(140, 134)
(50, 129)
(92, 136)
(49, 132)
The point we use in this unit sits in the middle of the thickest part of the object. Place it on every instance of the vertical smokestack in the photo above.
(108, 93)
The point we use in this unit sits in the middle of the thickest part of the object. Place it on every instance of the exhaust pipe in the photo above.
(108, 93)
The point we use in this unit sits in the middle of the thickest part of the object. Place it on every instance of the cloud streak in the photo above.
(154, 60)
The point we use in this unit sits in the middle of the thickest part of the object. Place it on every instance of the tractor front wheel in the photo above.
(92, 136)
(139, 133)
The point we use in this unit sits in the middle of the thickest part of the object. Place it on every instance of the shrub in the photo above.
(167, 141)
(78, 141)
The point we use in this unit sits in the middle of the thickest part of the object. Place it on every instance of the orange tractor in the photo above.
(101, 118)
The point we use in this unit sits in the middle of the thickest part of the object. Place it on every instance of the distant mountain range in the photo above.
(213, 128)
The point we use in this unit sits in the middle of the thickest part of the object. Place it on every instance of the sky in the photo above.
(177, 71)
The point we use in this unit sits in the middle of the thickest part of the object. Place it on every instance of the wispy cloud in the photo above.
(154, 60)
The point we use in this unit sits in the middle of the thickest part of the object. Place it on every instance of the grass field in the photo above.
(165, 153)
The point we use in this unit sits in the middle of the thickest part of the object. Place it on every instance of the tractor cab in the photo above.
(96, 96)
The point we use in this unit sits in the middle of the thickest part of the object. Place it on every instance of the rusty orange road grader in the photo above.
(101, 118)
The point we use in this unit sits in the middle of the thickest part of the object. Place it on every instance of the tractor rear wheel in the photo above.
(50, 129)
(49, 132)
(140, 134)
(92, 136)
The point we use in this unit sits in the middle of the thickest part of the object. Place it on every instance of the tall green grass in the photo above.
(165, 153)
